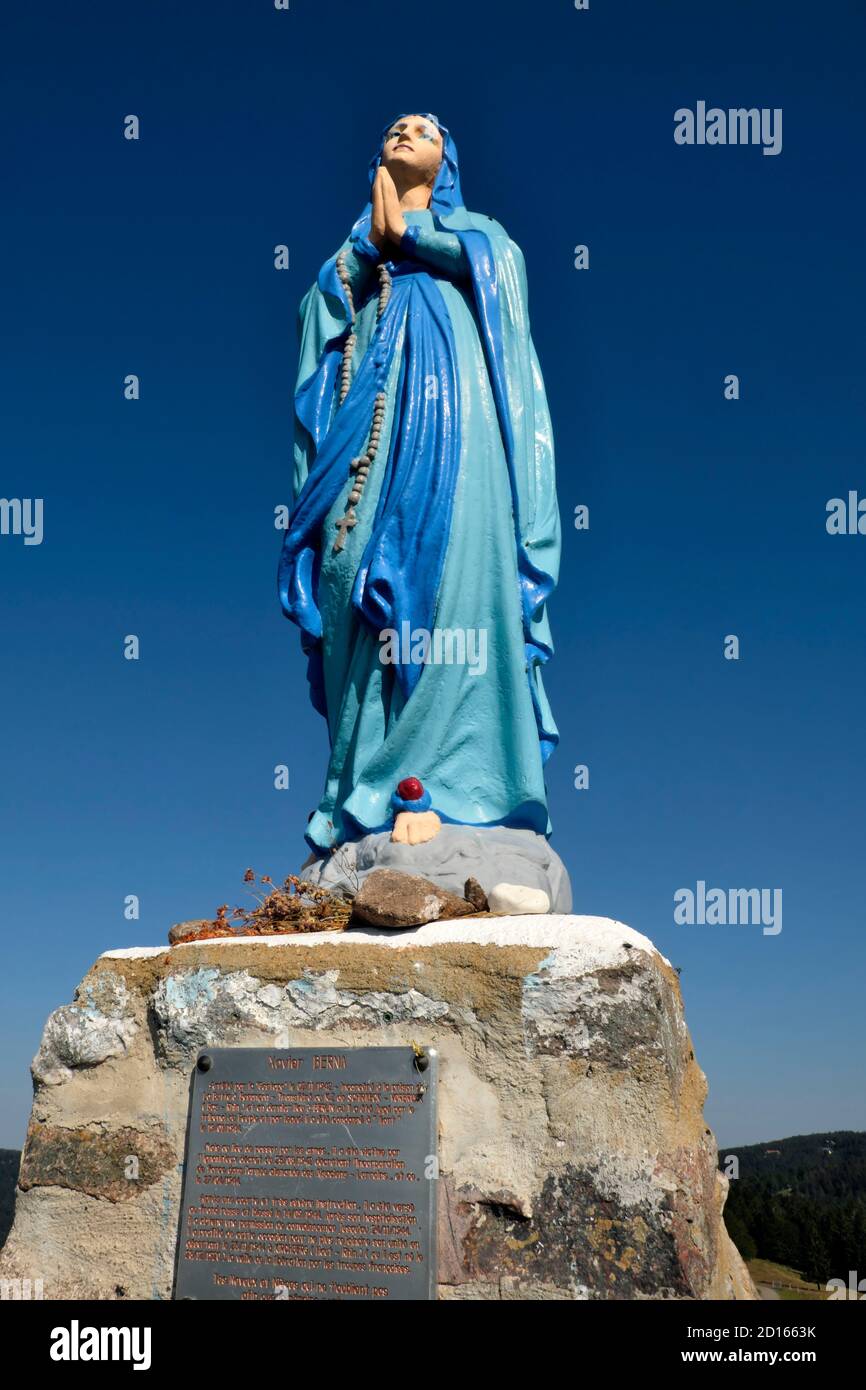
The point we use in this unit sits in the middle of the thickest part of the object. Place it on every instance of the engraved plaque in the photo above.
(310, 1174)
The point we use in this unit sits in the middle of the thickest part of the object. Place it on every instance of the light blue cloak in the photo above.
(457, 530)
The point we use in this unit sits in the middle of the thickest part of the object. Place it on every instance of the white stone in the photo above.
(517, 898)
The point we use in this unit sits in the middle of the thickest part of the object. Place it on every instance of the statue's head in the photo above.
(412, 149)
(418, 149)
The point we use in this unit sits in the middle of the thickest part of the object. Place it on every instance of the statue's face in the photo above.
(413, 144)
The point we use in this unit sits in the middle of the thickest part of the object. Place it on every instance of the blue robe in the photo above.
(457, 529)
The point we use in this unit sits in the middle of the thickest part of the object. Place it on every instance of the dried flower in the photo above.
(298, 906)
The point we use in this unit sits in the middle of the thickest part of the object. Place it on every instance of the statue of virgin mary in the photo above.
(424, 540)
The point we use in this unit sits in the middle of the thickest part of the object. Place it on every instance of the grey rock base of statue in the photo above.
(574, 1159)
(490, 854)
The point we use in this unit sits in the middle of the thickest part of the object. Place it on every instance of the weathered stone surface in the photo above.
(515, 898)
(490, 854)
(390, 898)
(98, 1025)
(574, 1159)
(114, 1164)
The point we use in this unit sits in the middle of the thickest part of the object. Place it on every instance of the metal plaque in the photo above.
(310, 1174)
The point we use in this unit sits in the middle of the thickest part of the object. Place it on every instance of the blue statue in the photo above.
(424, 540)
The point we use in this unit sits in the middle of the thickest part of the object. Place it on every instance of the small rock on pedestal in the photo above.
(182, 929)
(514, 898)
(389, 898)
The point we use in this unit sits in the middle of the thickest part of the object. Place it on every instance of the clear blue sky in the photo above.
(707, 516)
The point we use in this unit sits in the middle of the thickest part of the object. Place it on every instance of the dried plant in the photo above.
(297, 906)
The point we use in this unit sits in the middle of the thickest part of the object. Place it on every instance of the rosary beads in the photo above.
(359, 466)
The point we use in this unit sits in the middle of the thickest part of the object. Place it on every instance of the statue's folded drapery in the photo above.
(457, 529)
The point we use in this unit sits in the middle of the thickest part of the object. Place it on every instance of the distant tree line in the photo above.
(801, 1202)
(10, 1161)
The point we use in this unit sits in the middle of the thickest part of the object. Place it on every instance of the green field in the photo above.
(789, 1283)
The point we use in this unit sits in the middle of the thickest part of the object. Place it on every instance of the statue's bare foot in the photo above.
(415, 827)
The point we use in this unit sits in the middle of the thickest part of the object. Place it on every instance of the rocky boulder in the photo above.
(574, 1161)
(389, 898)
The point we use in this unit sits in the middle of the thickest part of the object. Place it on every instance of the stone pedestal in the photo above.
(574, 1159)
